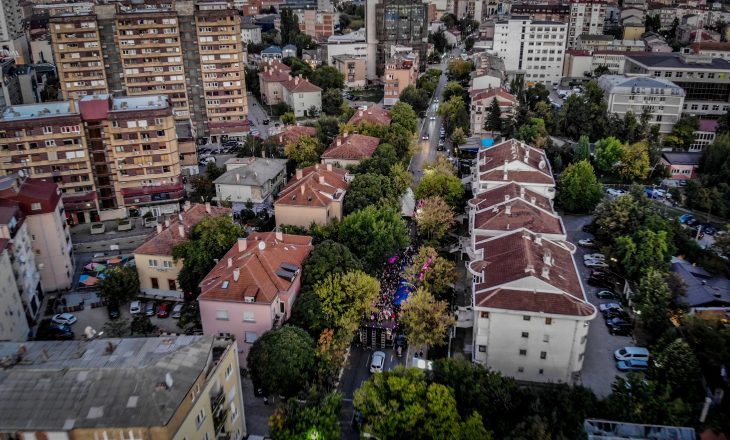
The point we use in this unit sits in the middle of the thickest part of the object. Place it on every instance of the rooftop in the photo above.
(64, 385)
(638, 85)
(532, 164)
(478, 94)
(315, 186)
(36, 111)
(682, 158)
(716, 46)
(251, 171)
(299, 84)
(136, 103)
(257, 268)
(292, 133)
(28, 192)
(161, 242)
(351, 146)
(374, 114)
(708, 125)
(680, 61)
(272, 50)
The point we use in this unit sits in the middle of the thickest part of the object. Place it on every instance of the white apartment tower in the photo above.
(586, 17)
(535, 49)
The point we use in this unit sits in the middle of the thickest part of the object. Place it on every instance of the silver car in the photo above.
(377, 363)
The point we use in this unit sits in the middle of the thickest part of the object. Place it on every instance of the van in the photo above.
(631, 353)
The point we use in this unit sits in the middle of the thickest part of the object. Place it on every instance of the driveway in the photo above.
(599, 367)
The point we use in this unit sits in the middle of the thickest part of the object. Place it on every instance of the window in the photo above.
(47, 130)
(229, 369)
(482, 349)
(221, 315)
(520, 369)
(548, 321)
(172, 284)
(526, 318)
(155, 283)
(250, 337)
(484, 315)
(525, 335)
(659, 118)
(546, 338)
(234, 411)
(523, 352)
(200, 417)
(249, 317)
(35, 206)
(543, 355)
(542, 371)
(152, 263)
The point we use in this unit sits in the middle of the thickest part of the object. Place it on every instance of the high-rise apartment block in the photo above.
(12, 36)
(394, 22)
(189, 51)
(586, 17)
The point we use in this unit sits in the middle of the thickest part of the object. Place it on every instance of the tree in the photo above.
(288, 118)
(431, 271)
(454, 114)
(142, 325)
(469, 43)
(401, 403)
(635, 161)
(327, 258)
(722, 243)
(440, 180)
(120, 285)
(609, 151)
(425, 320)
(619, 216)
(403, 114)
(370, 189)
(304, 152)
(459, 69)
(683, 133)
(434, 218)
(417, 98)
(578, 188)
(374, 233)
(585, 114)
(346, 298)
(458, 137)
(429, 81)
(289, 26)
(328, 127)
(281, 361)
(533, 427)
(401, 178)
(298, 67)
(636, 399)
(307, 314)
(676, 366)
(534, 133)
(453, 88)
(651, 301)
(494, 117)
(645, 250)
(316, 418)
(203, 186)
(116, 328)
(328, 77)
(207, 241)
(438, 39)
(332, 102)
(582, 149)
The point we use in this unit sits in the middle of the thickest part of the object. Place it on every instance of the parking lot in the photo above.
(599, 366)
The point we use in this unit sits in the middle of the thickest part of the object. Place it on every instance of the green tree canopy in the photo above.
(307, 314)
(332, 102)
(434, 218)
(651, 300)
(676, 366)
(453, 88)
(494, 117)
(439, 276)
(683, 133)
(454, 114)
(281, 361)
(120, 285)
(305, 152)
(534, 133)
(328, 127)
(328, 77)
(374, 233)
(425, 320)
(346, 297)
(203, 186)
(315, 418)
(459, 69)
(370, 189)
(578, 188)
(417, 98)
(635, 161)
(644, 250)
(402, 113)
(609, 151)
(638, 400)
(439, 180)
(328, 258)
(582, 149)
(288, 118)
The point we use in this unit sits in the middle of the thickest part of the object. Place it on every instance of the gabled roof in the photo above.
(272, 50)
(373, 115)
(682, 158)
(162, 243)
(275, 73)
(31, 191)
(501, 95)
(257, 262)
(315, 186)
(351, 146)
(292, 133)
(536, 169)
(251, 171)
(522, 271)
(300, 85)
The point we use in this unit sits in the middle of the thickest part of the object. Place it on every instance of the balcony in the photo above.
(219, 410)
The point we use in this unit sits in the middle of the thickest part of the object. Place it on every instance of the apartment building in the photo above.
(13, 42)
(15, 230)
(401, 71)
(481, 102)
(78, 55)
(394, 22)
(534, 49)
(303, 97)
(41, 203)
(704, 79)
(47, 141)
(586, 17)
(316, 23)
(349, 44)
(157, 269)
(314, 195)
(14, 325)
(542, 12)
(662, 98)
(251, 180)
(350, 149)
(252, 289)
(169, 387)
(271, 77)
(353, 68)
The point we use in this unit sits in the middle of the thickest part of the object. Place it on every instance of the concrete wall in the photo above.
(13, 326)
(300, 215)
(52, 246)
(161, 272)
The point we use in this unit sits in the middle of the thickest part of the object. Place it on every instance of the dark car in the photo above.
(607, 294)
(50, 331)
(692, 221)
(163, 310)
(149, 308)
(611, 314)
(618, 326)
(600, 282)
(113, 311)
(266, 122)
(709, 229)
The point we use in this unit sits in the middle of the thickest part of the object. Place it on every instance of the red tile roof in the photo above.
(578, 52)
(536, 169)
(257, 259)
(351, 146)
(317, 186)
(300, 85)
(497, 195)
(519, 259)
(375, 114)
(711, 45)
(275, 75)
(293, 133)
(33, 190)
(502, 95)
(163, 242)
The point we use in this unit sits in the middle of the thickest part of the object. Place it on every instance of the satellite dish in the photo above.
(89, 332)
(168, 380)
(262, 245)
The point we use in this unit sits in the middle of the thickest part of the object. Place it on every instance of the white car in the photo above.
(595, 264)
(135, 307)
(609, 306)
(433, 117)
(377, 363)
(64, 318)
(587, 242)
(614, 192)
(177, 311)
(600, 257)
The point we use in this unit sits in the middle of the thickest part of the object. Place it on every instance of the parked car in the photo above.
(64, 319)
(616, 313)
(587, 242)
(135, 307)
(618, 326)
(607, 294)
(377, 363)
(113, 311)
(596, 256)
(177, 311)
(632, 366)
(631, 353)
(97, 228)
(425, 136)
(614, 192)
(149, 308)
(609, 306)
(709, 229)
(50, 331)
(600, 282)
(433, 117)
(163, 310)
(595, 264)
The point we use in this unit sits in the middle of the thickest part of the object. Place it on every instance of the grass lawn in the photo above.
(372, 95)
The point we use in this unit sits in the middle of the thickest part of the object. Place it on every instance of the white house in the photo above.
(251, 179)
(481, 100)
(250, 33)
(513, 161)
(301, 95)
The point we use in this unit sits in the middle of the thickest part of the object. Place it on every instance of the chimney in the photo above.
(238, 178)
(547, 257)
(207, 207)
(187, 205)
(329, 167)
(290, 77)
(167, 223)
(533, 199)
(299, 173)
(181, 230)
(345, 134)
(316, 166)
(538, 239)
(508, 209)
(279, 236)
(522, 192)
(236, 274)
(506, 197)
(159, 228)
(529, 268)
(545, 272)
(301, 189)
(360, 113)
(242, 244)
(230, 262)
(179, 217)
(296, 81)
(527, 158)
(339, 142)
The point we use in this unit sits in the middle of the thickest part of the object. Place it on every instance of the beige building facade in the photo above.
(353, 68)
(314, 195)
(14, 325)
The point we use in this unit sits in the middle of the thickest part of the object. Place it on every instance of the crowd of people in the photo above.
(390, 279)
